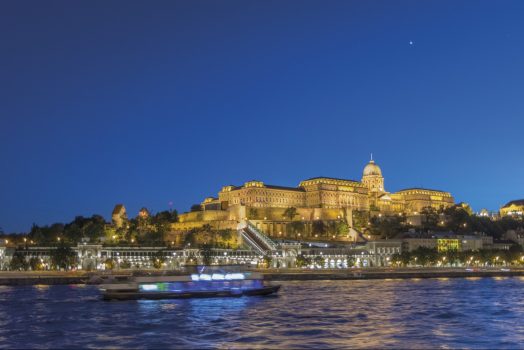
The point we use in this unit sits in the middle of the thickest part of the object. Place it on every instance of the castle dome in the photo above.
(372, 169)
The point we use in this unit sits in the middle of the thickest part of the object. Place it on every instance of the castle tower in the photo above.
(372, 177)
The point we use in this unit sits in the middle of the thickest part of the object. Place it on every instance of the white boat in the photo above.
(195, 285)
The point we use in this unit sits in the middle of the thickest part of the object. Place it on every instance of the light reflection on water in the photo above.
(427, 313)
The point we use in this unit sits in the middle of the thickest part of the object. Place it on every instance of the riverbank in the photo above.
(368, 274)
(19, 278)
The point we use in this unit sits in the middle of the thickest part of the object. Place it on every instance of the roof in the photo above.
(274, 187)
(285, 188)
(422, 189)
(330, 178)
(514, 202)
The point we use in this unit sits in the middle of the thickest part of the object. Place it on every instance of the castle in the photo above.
(319, 198)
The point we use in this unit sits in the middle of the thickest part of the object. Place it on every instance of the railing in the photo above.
(251, 241)
(260, 235)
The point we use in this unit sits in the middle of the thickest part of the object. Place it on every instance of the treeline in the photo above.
(146, 230)
(457, 219)
(150, 229)
(484, 257)
(206, 237)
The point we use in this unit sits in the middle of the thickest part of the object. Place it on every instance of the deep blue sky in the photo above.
(146, 102)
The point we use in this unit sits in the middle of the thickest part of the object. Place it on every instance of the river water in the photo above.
(432, 313)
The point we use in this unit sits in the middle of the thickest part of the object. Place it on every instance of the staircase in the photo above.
(256, 239)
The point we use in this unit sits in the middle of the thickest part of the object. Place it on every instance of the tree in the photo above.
(189, 238)
(290, 213)
(319, 260)
(295, 227)
(302, 261)
(94, 228)
(360, 219)
(206, 253)
(158, 259)
(226, 234)
(430, 218)
(206, 228)
(452, 257)
(318, 227)
(387, 226)
(35, 264)
(109, 264)
(456, 218)
(18, 261)
(166, 216)
(514, 254)
(63, 257)
(125, 264)
(342, 228)
(331, 229)
(425, 256)
(267, 261)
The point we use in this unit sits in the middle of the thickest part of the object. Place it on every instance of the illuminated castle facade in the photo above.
(319, 198)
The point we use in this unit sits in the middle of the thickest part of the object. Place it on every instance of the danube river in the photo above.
(430, 313)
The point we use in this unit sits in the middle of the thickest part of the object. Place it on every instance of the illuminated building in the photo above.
(513, 208)
(318, 198)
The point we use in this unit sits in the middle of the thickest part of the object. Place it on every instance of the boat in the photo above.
(202, 284)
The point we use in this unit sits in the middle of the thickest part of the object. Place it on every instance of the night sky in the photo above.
(147, 102)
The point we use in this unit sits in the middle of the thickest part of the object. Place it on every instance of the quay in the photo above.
(20, 278)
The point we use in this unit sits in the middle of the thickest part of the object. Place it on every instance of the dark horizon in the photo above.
(150, 103)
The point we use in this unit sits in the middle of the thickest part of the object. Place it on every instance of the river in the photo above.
(428, 313)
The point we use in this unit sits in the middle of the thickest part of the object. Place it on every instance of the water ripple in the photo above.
(436, 313)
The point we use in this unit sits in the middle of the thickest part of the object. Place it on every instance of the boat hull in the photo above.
(135, 295)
